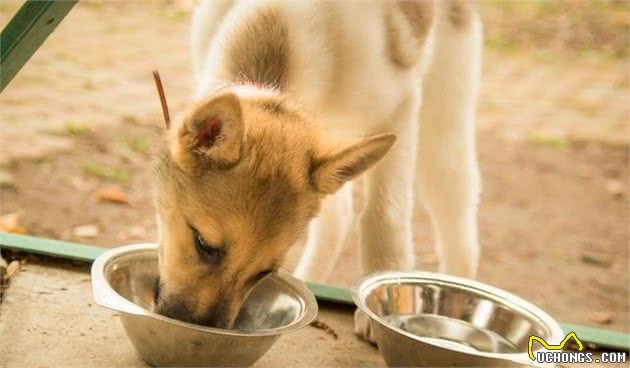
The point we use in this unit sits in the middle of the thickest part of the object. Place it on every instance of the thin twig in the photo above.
(160, 89)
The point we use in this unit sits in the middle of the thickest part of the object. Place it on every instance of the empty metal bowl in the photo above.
(428, 319)
(123, 279)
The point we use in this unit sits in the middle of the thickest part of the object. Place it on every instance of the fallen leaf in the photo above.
(596, 259)
(86, 231)
(602, 318)
(18, 230)
(614, 187)
(10, 223)
(12, 269)
(6, 179)
(112, 195)
(324, 327)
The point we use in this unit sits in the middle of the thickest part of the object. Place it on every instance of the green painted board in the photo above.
(329, 293)
(25, 33)
(55, 248)
(602, 338)
(49, 247)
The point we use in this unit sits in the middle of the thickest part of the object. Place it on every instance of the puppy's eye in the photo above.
(212, 252)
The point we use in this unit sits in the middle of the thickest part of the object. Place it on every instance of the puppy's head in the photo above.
(237, 184)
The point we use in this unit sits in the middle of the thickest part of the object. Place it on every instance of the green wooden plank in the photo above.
(602, 338)
(88, 253)
(25, 33)
(49, 247)
(331, 293)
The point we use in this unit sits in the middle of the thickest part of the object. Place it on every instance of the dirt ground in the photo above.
(553, 132)
(43, 337)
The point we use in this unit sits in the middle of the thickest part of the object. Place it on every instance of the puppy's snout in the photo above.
(174, 309)
(218, 315)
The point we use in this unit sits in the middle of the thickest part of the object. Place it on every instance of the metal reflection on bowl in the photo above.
(428, 319)
(124, 278)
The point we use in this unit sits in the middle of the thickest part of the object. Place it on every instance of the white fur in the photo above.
(373, 96)
(327, 234)
(448, 174)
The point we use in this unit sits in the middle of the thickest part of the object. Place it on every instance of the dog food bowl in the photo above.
(123, 279)
(428, 319)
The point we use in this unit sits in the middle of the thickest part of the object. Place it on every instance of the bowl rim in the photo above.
(105, 296)
(365, 285)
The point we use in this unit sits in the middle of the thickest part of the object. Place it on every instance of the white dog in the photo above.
(282, 86)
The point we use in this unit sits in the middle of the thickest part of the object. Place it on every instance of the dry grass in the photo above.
(110, 173)
(573, 26)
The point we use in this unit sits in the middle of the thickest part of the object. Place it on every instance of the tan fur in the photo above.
(260, 50)
(222, 154)
(407, 24)
(254, 197)
(346, 165)
(257, 207)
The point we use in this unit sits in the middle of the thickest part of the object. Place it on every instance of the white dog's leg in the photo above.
(326, 236)
(386, 237)
(448, 175)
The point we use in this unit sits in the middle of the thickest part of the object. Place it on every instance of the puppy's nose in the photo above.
(218, 316)
(174, 309)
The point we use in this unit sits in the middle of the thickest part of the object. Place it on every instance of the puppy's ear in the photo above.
(211, 136)
(331, 172)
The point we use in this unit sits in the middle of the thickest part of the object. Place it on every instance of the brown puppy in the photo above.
(239, 179)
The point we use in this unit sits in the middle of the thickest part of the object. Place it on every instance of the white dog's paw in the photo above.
(363, 326)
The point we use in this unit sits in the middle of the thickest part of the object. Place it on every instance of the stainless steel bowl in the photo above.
(123, 279)
(428, 319)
